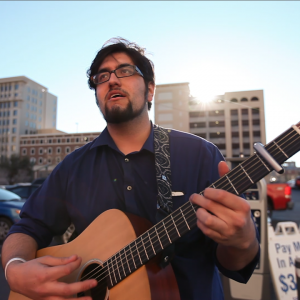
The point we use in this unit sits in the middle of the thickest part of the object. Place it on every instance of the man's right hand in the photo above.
(38, 278)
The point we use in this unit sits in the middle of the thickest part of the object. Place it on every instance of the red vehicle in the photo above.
(279, 196)
(297, 182)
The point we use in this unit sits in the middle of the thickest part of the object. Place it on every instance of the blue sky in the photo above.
(217, 46)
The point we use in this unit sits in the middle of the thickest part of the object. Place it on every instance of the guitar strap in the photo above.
(164, 186)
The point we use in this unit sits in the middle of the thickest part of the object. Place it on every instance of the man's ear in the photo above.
(151, 90)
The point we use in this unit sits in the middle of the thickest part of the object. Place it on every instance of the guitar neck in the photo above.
(182, 220)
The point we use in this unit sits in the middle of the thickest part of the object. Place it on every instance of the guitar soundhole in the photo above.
(95, 271)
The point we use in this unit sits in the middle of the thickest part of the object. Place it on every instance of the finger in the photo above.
(70, 289)
(223, 168)
(57, 261)
(59, 271)
(226, 199)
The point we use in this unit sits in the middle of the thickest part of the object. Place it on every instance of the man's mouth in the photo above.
(114, 95)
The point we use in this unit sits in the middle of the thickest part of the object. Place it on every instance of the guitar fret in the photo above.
(232, 185)
(151, 243)
(175, 226)
(122, 264)
(132, 256)
(263, 162)
(125, 253)
(117, 266)
(167, 232)
(138, 252)
(241, 165)
(144, 247)
(213, 186)
(280, 149)
(113, 271)
(159, 238)
(185, 220)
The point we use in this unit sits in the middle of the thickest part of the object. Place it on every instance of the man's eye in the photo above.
(103, 76)
(125, 71)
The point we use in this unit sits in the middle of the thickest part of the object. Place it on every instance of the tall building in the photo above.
(233, 121)
(25, 107)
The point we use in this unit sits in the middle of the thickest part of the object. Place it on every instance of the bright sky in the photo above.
(216, 46)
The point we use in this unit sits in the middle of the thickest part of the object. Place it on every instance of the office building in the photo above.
(25, 107)
(233, 121)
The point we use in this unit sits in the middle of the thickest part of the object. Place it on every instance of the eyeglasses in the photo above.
(124, 71)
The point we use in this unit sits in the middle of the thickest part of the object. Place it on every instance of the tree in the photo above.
(17, 166)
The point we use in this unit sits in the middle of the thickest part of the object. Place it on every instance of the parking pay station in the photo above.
(258, 286)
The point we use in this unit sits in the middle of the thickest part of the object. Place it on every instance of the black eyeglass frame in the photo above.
(136, 69)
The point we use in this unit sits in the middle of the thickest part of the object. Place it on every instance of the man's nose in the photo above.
(114, 79)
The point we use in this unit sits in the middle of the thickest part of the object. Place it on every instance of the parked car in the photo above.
(39, 181)
(10, 207)
(24, 190)
(297, 182)
(292, 183)
(279, 197)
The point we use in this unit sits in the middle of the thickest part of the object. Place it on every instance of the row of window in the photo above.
(221, 123)
(8, 95)
(8, 87)
(6, 130)
(62, 140)
(7, 113)
(222, 134)
(244, 99)
(48, 150)
(7, 104)
(5, 139)
(6, 122)
(233, 112)
(42, 161)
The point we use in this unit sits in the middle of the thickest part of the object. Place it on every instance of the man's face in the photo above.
(121, 99)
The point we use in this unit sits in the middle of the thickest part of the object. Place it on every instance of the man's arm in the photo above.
(37, 278)
(226, 219)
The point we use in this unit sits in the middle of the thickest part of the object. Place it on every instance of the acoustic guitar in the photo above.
(123, 254)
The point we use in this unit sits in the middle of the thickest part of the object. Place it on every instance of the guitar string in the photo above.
(120, 255)
(171, 221)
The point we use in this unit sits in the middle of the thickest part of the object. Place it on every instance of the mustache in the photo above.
(116, 89)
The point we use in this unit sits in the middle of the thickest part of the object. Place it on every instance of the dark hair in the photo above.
(134, 51)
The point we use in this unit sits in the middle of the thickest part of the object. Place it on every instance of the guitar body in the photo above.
(105, 236)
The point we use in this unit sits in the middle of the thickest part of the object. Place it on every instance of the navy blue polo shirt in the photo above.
(98, 177)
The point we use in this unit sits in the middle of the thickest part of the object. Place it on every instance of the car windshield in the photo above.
(8, 196)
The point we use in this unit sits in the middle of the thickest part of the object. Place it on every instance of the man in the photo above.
(117, 170)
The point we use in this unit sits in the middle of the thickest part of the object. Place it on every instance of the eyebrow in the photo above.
(108, 70)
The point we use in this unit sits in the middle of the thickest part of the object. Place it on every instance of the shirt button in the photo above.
(129, 188)
(126, 159)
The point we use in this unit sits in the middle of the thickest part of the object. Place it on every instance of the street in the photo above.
(278, 216)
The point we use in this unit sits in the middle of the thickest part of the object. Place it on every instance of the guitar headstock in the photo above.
(298, 125)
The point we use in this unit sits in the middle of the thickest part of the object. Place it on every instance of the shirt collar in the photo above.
(104, 139)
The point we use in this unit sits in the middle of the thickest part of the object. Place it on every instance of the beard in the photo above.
(117, 115)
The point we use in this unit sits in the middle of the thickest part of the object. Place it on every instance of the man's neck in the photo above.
(130, 136)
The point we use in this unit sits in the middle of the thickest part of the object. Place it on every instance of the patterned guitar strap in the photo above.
(164, 186)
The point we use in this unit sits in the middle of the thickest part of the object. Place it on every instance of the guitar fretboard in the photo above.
(182, 220)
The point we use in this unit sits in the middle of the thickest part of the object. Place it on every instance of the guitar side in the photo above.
(106, 235)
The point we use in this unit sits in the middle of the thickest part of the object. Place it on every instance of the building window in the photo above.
(246, 146)
(32, 151)
(49, 141)
(235, 123)
(216, 113)
(14, 130)
(58, 140)
(49, 150)
(68, 140)
(217, 124)
(40, 161)
(86, 139)
(14, 121)
(245, 133)
(254, 99)
(67, 149)
(41, 141)
(245, 122)
(16, 86)
(198, 125)
(24, 151)
(235, 146)
(256, 122)
(77, 140)
(244, 99)
(15, 103)
(33, 141)
(15, 112)
(49, 160)
(58, 159)
(203, 135)
(195, 114)
(32, 160)
(58, 150)
(234, 134)
(41, 150)
(217, 135)
(255, 111)
(244, 111)
(256, 133)
(233, 100)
